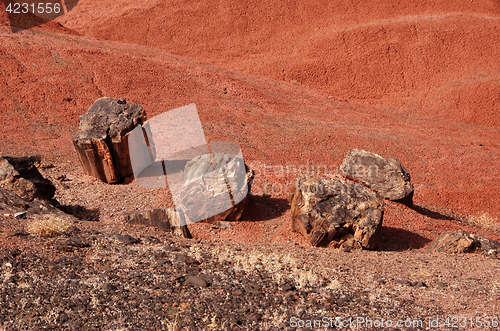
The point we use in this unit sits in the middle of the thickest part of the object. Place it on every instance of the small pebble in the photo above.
(21, 214)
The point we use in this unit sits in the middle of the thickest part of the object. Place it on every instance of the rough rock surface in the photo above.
(388, 176)
(12, 204)
(101, 141)
(161, 218)
(21, 176)
(336, 213)
(464, 242)
(214, 188)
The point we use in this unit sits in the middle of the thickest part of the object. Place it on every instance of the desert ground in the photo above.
(296, 85)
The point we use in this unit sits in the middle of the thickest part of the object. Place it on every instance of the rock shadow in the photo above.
(80, 212)
(395, 239)
(264, 208)
(431, 213)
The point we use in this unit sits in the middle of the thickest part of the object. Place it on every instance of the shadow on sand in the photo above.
(395, 239)
(81, 212)
(264, 208)
(431, 213)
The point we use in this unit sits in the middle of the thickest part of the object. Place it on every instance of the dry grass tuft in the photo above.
(48, 226)
(485, 221)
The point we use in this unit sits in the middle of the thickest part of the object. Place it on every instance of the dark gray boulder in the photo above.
(388, 177)
(336, 213)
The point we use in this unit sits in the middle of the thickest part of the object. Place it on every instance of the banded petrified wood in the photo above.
(101, 141)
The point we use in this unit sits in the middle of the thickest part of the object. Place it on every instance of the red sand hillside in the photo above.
(435, 58)
(48, 80)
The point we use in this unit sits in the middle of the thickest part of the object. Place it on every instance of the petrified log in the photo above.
(214, 188)
(464, 242)
(101, 141)
(388, 176)
(161, 218)
(21, 176)
(335, 213)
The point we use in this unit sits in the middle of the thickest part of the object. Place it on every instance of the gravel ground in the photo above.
(94, 280)
(103, 274)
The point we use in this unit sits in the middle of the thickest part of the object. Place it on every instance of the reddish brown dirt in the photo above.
(49, 79)
(433, 58)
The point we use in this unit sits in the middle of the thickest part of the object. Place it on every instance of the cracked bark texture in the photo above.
(101, 141)
(335, 213)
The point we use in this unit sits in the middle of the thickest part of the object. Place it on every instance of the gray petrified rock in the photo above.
(21, 176)
(464, 242)
(336, 213)
(101, 141)
(388, 176)
(214, 188)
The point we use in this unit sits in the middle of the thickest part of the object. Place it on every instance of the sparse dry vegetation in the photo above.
(48, 226)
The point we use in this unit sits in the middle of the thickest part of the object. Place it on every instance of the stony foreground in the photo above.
(93, 280)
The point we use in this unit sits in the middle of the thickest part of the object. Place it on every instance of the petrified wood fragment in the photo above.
(215, 187)
(101, 141)
(161, 218)
(336, 213)
(388, 176)
(21, 176)
(464, 242)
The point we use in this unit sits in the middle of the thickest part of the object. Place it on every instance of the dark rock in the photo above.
(125, 239)
(63, 247)
(221, 225)
(170, 248)
(10, 201)
(163, 262)
(72, 275)
(253, 289)
(161, 218)
(150, 240)
(20, 175)
(102, 139)
(107, 287)
(77, 242)
(63, 318)
(13, 203)
(18, 233)
(464, 242)
(441, 284)
(214, 188)
(195, 281)
(388, 177)
(184, 259)
(418, 284)
(326, 211)
(254, 317)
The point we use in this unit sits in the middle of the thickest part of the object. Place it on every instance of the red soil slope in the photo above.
(49, 79)
(434, 58)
